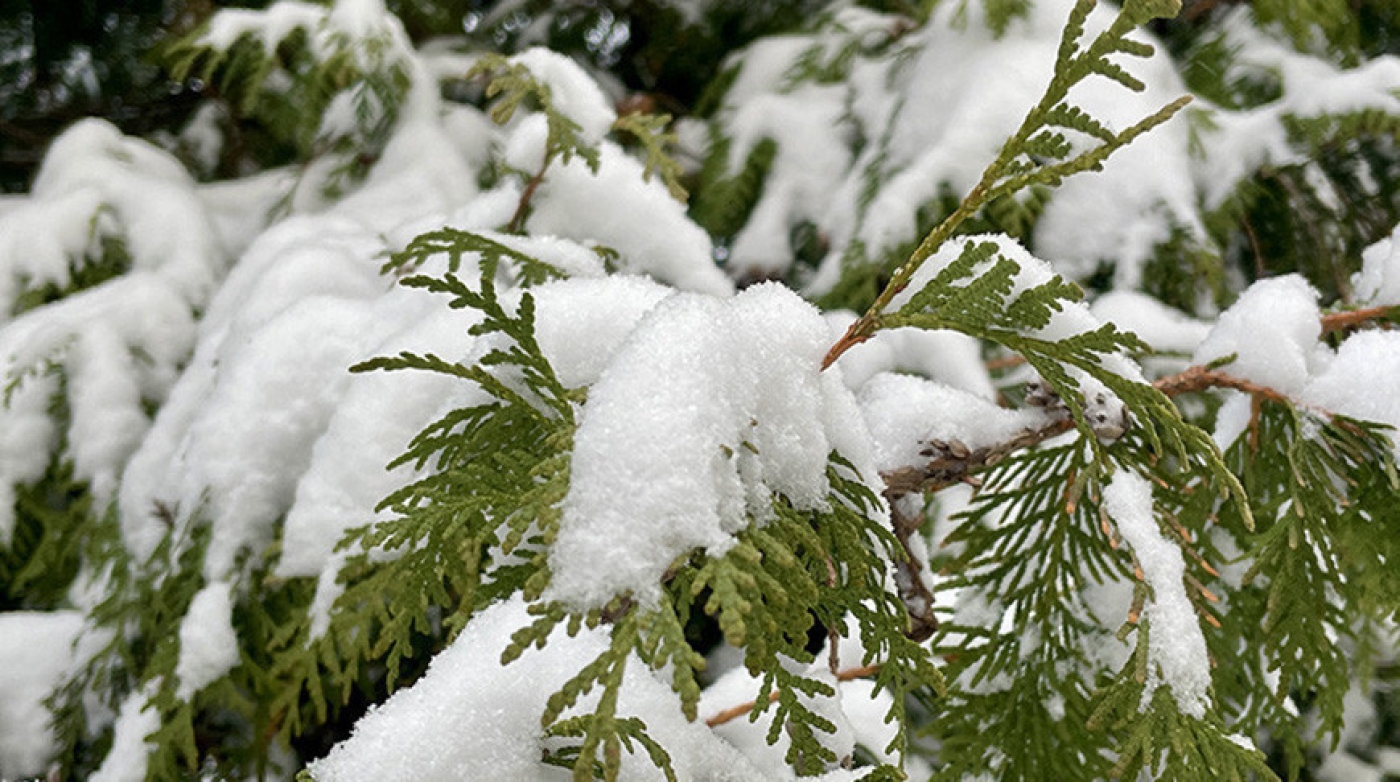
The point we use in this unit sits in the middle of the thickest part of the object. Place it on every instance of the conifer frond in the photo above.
(651, 131)
(512, 85)
(1036, 154)
(1304, 473)
(973, 294)
(496, 475)
(1162, 742)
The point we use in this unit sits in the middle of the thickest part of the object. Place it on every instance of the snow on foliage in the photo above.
(430, 732)
(1176, 647)
(175, 366)
(709, 409)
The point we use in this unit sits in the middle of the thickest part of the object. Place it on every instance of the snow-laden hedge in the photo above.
(468, 449)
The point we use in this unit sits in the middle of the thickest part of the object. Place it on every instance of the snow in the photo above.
(573, 93)
(1360, 381)
(1164, 328)
(1272, 330)
(1378, 282)
(127, 760)
(906, 413)
(430, 731)
(208, 644)
(707, 410)
(1176, 649)
(637, 218)
(580, 323)
(37, 650)
(948, 357)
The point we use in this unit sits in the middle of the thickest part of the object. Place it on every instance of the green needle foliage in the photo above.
(1045, 662)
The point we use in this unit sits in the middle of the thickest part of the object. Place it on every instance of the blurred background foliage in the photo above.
(63, 61)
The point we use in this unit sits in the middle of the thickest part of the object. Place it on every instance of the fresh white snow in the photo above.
(1176, 649)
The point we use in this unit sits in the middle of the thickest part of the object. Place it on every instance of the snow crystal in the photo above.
(708, 408)
(1176, 647)
(471, 718)
(905, 413)
(36, 649)
(208, 643)
(127, 759)
(1273, 330)
(580, 324)
(1378, 282)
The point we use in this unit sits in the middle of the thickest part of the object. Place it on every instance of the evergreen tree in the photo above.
(959, 390)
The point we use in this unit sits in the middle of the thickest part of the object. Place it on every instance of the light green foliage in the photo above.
(511, 85)
(650, 131)
(495, 474)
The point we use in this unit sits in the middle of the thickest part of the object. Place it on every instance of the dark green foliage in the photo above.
(1159, 740)
(1186, 273)
(1319, 486)
(1032, 552)
(42, 557)
(723, 202)
(107, 257)
(140, 618)
(766, 593)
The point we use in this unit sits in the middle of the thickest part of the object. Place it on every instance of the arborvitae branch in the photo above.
(1035, 153)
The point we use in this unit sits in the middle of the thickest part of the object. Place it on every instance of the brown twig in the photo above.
(517, 220)
(1341, 321)
(1199, 378)
(908, 572)
(734, 712)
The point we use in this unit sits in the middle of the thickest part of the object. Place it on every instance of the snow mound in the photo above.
(707, 410)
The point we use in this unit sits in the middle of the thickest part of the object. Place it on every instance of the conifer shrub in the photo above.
(965, 391)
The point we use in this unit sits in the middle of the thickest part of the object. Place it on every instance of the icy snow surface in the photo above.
(710, 407)
(1176, 647)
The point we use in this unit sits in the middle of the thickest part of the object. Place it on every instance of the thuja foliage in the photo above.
(1045, 649)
